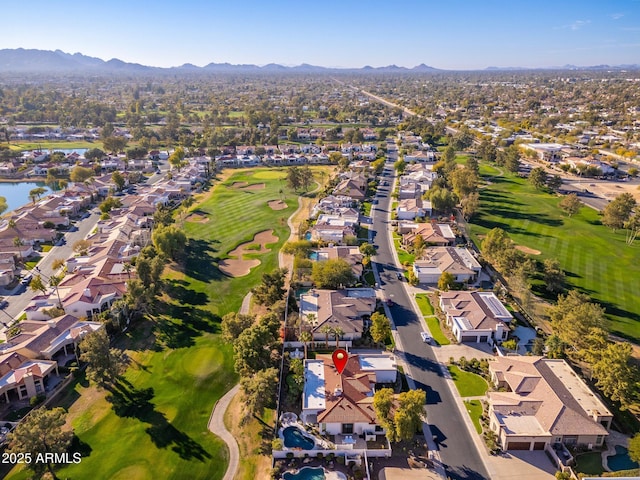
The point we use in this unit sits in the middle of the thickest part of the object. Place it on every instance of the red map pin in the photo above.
(340, 357)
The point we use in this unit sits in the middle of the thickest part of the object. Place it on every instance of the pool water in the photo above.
(306, 473)
(621, 460)
(313, 256)
(294, 438)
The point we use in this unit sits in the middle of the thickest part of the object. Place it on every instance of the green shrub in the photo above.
(277, 444)
(37, 399)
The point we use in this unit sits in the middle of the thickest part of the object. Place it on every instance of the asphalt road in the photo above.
(457, 450)
(20, 297)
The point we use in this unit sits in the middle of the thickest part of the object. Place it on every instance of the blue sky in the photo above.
(453, 34)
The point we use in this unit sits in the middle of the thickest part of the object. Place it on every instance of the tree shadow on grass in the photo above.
(177, 289)
(181, 325)
(129, 402)
(199, 263)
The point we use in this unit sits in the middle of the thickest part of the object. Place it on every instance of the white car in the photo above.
(426, 338)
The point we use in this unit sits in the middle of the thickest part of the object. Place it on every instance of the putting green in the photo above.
(269, 175)
(201, 362)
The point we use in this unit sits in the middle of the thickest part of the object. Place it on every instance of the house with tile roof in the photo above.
(440, 234)
(545, 402)
(22, 377)
(345, 309)
(435, 261)
(342, 404)
(475, 317)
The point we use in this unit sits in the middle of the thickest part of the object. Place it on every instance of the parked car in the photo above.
(426, 338)
(400, 276)
(3, 303)
(26, 280)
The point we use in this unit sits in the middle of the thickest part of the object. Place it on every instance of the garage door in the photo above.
(518, 446)
(484, 339)
(538, 446)
(469, 339)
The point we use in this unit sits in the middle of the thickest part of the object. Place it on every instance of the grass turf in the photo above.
(436, 330)
(597, 261)
(422, 299)
(474, 408)
(468, 384)
(154, 424)
(589, 463)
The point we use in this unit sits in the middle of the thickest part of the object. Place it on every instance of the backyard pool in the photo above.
(306, 473)
(295, 438)
(621, 460)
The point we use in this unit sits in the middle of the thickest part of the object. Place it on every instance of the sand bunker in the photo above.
(197, 217)
(254, 186)
(233, 267)
(527, 250)
(239, 184)
(239, 266)
(277, 204)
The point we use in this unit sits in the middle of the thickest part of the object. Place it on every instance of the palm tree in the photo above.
(127, 267)
(337, 333)
(54, 281)
(326, 329)
(305, 338)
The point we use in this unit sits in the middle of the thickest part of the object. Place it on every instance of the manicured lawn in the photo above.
(589, 463)
(154, 425)
(32, 263)
(474, 408)
(596, 260)
(46, 248)
(422, 299)
(404, 257)
(436, 330)
(369, 278)
(366, 210)
(468, 384)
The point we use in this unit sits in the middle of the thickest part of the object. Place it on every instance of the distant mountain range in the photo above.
(21, 60)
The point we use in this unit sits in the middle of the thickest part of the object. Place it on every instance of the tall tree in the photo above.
(572, 318)
(104, 363)
(553, 275)
(633, 227)
(333, 273)
(615, 375)
(618, 211)
(380, 327)
(570, 204)
(39, 435)
(446, 281)
(259, 391)
(634, 448)
(169, 241)
(538, 177)
(118, 179)
(253, 350)
(469, 205)
(271, 289)
(294, 178)
(233, 324)
(38, 285)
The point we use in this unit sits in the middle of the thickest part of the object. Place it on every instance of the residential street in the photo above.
(22, 295)
(457, 450)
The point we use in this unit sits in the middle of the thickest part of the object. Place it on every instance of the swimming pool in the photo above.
(621, 460)
(295, 438)
(306, 473)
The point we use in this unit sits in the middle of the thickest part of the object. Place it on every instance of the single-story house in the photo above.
(545, 402)
(475, 317)
(459, 262)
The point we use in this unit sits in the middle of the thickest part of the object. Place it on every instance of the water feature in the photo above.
(306, 473)
(621, 460)
(17, 193)
(295, 438)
